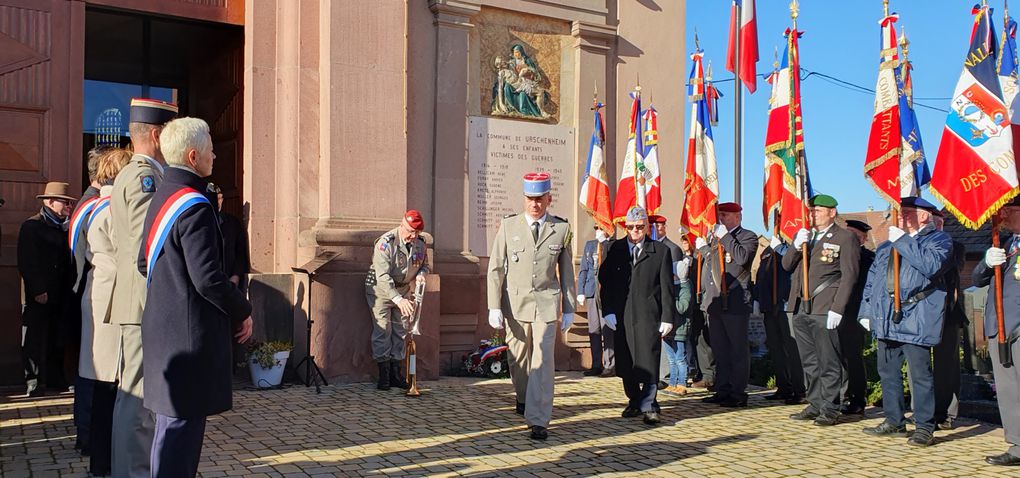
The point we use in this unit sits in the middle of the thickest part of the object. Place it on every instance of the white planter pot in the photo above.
(268, 377)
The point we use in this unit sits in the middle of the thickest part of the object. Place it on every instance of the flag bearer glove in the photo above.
(866, 323)
(895, 233)
(832, 321)
(720, 231)
(801, 238)
(664, 328)
(995, 256)
(568, 320)
(496, 318)
(699, 243)
(775, 243)
(610, 321)
(580, 299)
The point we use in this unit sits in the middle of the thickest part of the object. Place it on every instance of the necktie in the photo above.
(534, 230)
(635, 251)
(408, 247)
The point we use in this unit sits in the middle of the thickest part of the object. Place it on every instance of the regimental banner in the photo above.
(701, 181)
(882, 162)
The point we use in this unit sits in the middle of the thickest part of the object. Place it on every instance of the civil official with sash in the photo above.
(399, 261)
(193, 310)
(129, 201)
(532, 264)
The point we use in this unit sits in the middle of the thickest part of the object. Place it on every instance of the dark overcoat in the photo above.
(44, 261)
(764, 283)
(641, 296)
(191, 311)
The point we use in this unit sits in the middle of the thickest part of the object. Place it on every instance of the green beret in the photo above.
(824, 200)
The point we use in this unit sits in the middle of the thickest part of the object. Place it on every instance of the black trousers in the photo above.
(891, 355)
(820, 356)
(851, 347)
(42, 353)
(640, 395)
(732, 354)
(699, 334)
(104, 395)
(177, 446)
(784, 353)
(83, 396)
(946, 368)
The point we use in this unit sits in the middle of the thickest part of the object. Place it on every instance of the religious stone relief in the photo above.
(519, 91)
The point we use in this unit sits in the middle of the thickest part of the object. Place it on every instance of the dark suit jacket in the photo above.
(853, 306)
(841, 273)
(191, 310)
(741, 245)
(764, 283)
(236, 261)
(985, 276)
(641, 296)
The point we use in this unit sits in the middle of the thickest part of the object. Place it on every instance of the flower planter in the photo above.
(268, 377)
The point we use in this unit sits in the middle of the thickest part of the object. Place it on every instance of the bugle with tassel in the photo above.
(412, 376)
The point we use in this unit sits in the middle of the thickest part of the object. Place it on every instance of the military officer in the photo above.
(851, 334)
(728, 312)
(832, 268)
(532, 262)
(398, 262)
(133, 425)
(1007, 378)
(600, 336)
(909, 335)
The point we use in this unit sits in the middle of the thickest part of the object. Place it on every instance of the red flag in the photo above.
(630, 190)
(746, 29)
(701, 182)
(882, 162)
(595, 187)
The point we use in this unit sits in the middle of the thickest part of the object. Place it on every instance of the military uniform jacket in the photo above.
(132, 190)
(985, 276)
(538, 277)
(192, 310)
(764, 283)
(739, 248)
(853, 306)
(394, 268)
(834, 264)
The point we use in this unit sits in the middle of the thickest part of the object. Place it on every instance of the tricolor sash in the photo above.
(78, 219)
(103, 203)
(175, 205)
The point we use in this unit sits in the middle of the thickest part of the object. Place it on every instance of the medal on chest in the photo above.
(830, 252)
(728, 258)
(1016, 269)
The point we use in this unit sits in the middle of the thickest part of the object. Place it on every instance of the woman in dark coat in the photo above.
(637, 300)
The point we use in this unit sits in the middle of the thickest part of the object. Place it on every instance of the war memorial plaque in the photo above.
(500, 152)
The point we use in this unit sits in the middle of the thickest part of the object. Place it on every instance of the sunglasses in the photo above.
(635, 227)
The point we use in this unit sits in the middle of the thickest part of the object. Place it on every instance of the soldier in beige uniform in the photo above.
(398, 260)
(133, 425)
(532, 262)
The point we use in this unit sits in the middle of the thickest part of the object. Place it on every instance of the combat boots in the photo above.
(384, 376)
(396, 376)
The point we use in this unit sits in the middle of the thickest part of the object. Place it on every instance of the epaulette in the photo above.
(509, 215)
(560, 218)
(389, 236)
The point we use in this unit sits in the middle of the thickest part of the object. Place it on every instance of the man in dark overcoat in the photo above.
(771, 289)
(852, 335)
(192, 308)
(637, 298)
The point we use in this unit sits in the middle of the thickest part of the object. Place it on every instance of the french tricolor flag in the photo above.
(748, 37)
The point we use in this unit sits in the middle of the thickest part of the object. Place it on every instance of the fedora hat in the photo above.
(56, 190)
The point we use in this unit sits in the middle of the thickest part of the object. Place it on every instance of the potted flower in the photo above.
(266, 361)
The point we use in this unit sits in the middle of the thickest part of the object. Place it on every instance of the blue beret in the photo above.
(637, 214)
(918, 203)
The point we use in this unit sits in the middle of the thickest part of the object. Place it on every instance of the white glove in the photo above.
(832, 321)
(699, 243)
(420, 278)
(801, 238)
(775, 243)
(664, 328)
(496, 318)
(720, 231)
(580, 299)
(995, 256)
(866, 323)
(895, 233)
(610, 321)
(757, 309)
(568, 320)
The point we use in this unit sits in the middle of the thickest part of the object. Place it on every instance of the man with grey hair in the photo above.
(192, 307)
(132, 191)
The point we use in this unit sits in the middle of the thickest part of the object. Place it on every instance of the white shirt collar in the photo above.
(823, 231)
(153, 162)
(540, 221)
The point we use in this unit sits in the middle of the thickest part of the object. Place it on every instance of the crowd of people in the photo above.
(143, 261)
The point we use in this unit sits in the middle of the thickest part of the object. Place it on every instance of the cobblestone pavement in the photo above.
(468, 427)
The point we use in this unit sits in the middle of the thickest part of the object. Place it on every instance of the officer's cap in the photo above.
(824, 200)
(145, 110)
(537, 184)
(918, 203)
(859, 225)
(730, 207)
(636, 214)
(414, 219)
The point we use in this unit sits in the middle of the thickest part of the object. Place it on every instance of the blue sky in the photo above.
(841, 39)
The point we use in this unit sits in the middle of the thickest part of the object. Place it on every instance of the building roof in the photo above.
(974, 242)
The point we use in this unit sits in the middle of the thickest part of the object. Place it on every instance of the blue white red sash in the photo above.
(104, 202)
(175, 205)
(78, 219)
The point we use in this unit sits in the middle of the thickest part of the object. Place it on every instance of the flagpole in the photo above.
(1005, 353)
(737, 110)
(775, 261)
(801, 175)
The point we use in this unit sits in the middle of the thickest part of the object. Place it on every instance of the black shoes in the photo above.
(607, 373)
(826, 420)
(539, 433)
(1004, 459)
(886, 429)
(397, 376)
(795, 399)
(520, 408)
(852, 409)
(946, 424)
(716, 398)
(921, 437)
(778, 396)
(651, 418)
(661, 385)
(593, 372)
(734, 402)
(631, 412)
(805, 414)
(384, 376)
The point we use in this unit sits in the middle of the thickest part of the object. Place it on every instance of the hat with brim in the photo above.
(537, 184)
(824, 200)
(149, 111)
(918, 203)
(56, 190)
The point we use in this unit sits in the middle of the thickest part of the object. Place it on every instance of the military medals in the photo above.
(728, 258)
(513, 257)
(1016, 269)
(830, 252)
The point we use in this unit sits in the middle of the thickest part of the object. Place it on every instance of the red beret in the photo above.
(729, 207)
(413, 218)
(657, 219)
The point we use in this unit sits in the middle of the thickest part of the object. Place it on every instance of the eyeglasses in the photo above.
(635, 227)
